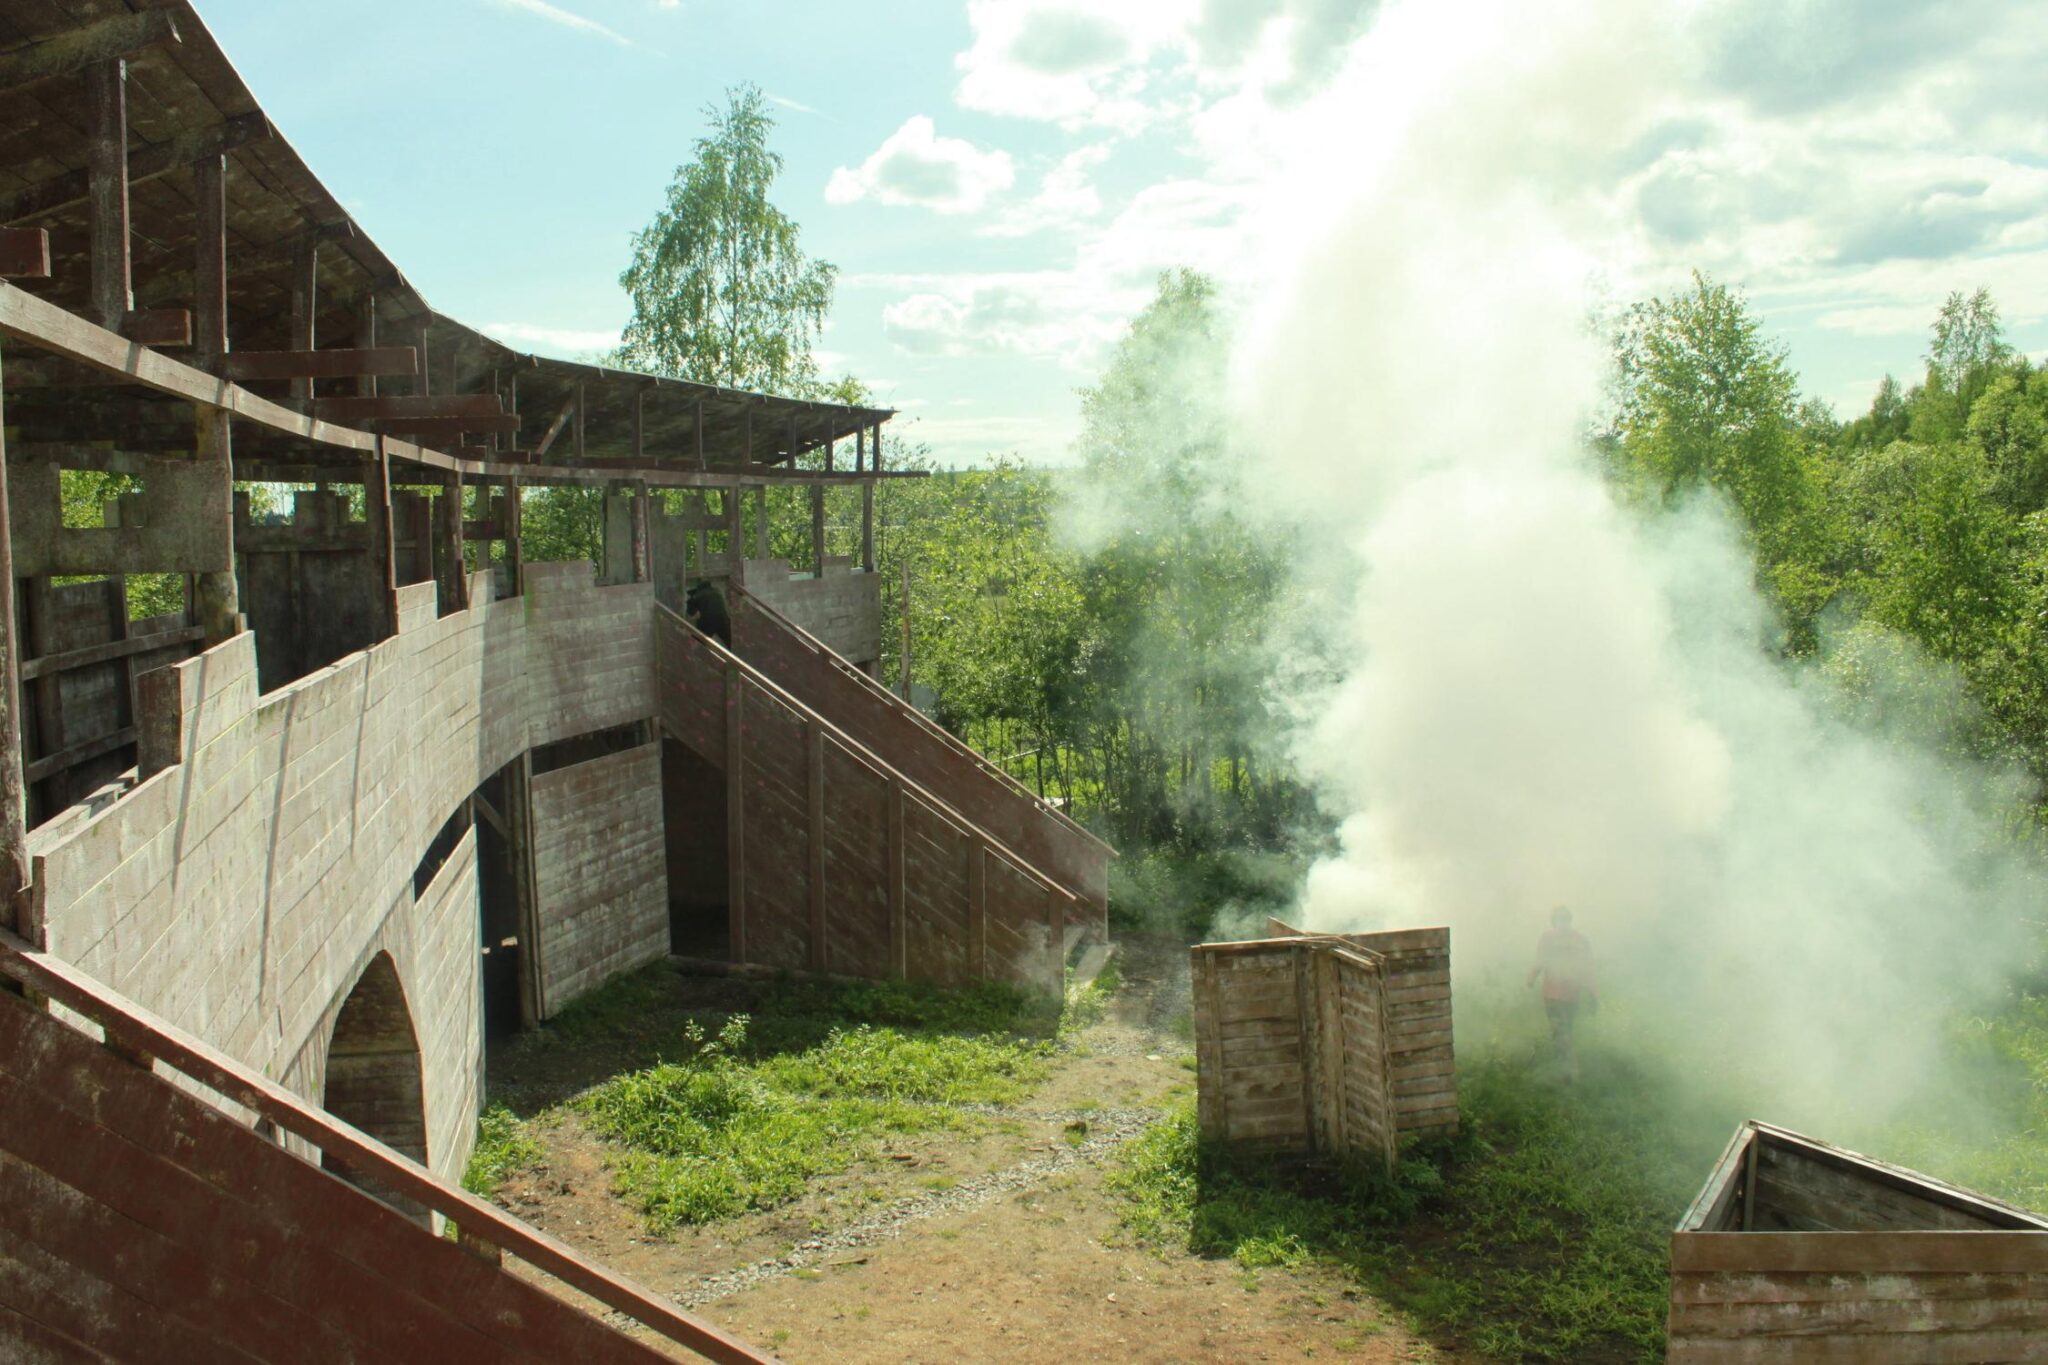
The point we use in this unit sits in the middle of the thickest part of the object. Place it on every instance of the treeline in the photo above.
(1921, 518)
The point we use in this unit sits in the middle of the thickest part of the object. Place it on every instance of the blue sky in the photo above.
(999, 181)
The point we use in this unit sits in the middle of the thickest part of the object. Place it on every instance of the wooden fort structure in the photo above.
(1797, 1250)
(1325, 1044)
(370, 783)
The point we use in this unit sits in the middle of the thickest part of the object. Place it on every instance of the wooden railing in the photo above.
(978, 789)
(956, 903)
(140, 1037)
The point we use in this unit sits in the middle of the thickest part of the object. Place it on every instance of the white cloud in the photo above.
(916, 166)
(786, 102)
(1067, 63)
(1066, 197)
(554, 14)
(567, 342)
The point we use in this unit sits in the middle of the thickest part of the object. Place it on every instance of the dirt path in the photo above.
(994, 1245)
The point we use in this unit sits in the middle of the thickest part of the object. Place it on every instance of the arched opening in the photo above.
(373, 1075)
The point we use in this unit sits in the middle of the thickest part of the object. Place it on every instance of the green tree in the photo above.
(722, 291)
(1966, 351)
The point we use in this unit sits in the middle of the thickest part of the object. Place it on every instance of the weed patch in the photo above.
(503, 1147)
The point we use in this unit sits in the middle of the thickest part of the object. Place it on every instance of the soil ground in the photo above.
(996, 1243)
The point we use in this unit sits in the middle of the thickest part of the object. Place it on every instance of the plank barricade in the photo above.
(182, 1192)
(1799, 1250)
(1308, 1044)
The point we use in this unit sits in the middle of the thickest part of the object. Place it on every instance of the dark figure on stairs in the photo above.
(705, 609)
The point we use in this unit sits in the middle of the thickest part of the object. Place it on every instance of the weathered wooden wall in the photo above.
(842, 608)
(141, 1224)
(1421, 1055)
(242, 885)
(836, 861)
(1291, 1048)
(824, 680)
(1797, 1250)
(600, 875)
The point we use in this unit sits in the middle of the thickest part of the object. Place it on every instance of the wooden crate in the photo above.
(1420, 1056)
(1797, 1250)
(1291, 1048)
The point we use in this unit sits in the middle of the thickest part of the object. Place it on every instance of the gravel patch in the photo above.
(1106, 1130)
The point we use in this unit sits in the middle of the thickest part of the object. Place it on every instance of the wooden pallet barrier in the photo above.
(1797, 1250)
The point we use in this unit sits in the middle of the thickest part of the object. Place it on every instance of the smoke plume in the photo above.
(1545, 698)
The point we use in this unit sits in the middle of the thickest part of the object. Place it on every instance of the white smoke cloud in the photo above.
(1544, 698)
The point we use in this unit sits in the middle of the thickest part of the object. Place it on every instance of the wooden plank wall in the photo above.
(141, 1224)
(78, 724)
(924, 753)
(600, 872)
(843, 864)
(1419, 1035)
(1291, 1048)
(1741, 1298)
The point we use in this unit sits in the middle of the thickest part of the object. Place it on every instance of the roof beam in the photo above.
(67, 54)
(352, 410)
(332, 363)
(145, 163)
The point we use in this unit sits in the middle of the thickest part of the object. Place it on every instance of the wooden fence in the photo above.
(838, 862)
(141, 1222)
(1291, 1048)
(1796, 1250)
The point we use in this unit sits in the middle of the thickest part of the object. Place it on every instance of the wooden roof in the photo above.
(185, 100)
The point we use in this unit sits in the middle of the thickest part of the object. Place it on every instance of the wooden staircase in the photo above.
(839, 860)
(140, 1220)
(1037, 832)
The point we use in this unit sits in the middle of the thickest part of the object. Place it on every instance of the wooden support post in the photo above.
(40, 643)
(512, 407)
(525, 886)
(366, 340)
(215, 596)
(577, 435)
(113, 293)
(383, 550)
(700, 434)
(210, 265)
(13, 799)
(903, 615)
(455, 596)
(867, 503)
(814, 765)
(735, 538)
(305, 302)
(425, 387)
(899, 929)
(818, 529)
(977, 909)
(643, 566)
(735, 816)
(762, 547)
(639, 423)
(515, 548)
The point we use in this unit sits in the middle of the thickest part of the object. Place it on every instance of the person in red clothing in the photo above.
(1564, 964)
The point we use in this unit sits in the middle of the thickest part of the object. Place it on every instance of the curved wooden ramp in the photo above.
(141, 1222)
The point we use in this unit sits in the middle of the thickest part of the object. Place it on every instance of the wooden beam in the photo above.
(577, 448)
(44, 768)
(111, 650)
(457, 590)
(643, 566)
(892, 872)
(210, 262)
(146, 163)
(73, 51)
(442, 428)
(560, 420)
(354, 411)
(700, 433)
(366, 343)
(639, 423)
(158, 326)
(14, 866)
(735, 814)
(113, 291)
(216, 596)
(383, 553)
(814, 845)
(305, 303)
(335, 363)
(515, 550)
(25, 253)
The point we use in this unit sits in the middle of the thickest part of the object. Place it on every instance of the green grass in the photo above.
(724, 1131)
(503, 1147)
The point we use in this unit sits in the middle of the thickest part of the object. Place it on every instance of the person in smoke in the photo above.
(1564, 964)
(704, 608)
